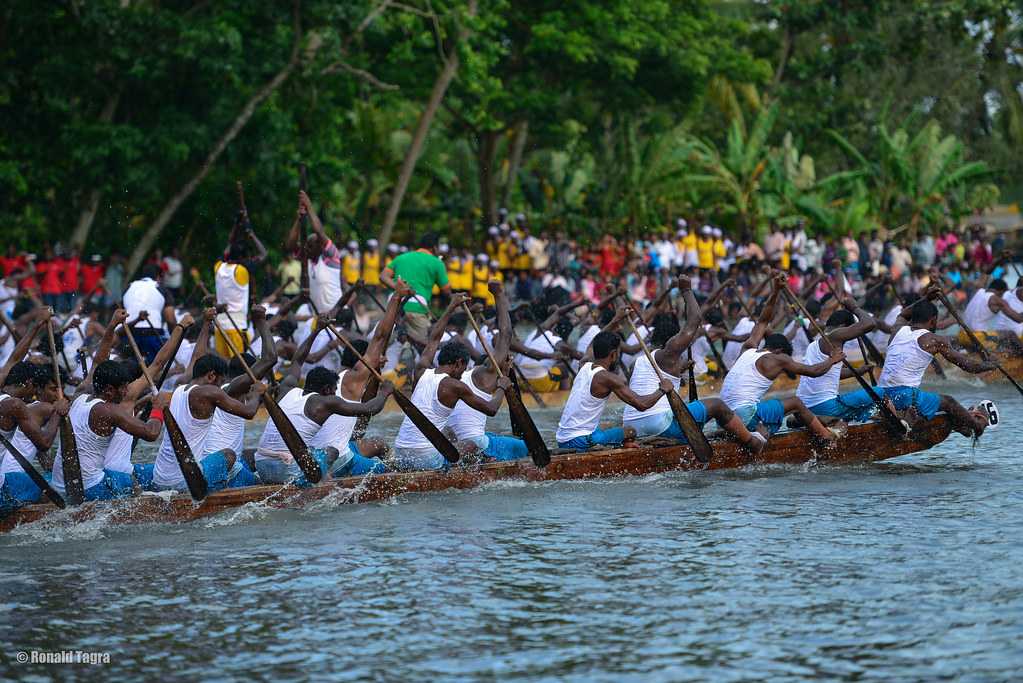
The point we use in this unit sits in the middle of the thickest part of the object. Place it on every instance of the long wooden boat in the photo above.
(863, 443)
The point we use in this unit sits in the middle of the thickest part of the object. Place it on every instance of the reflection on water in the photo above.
(909, 570)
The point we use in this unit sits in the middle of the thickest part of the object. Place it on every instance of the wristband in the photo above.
(156, 414)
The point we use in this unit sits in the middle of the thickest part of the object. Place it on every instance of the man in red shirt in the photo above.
(11, 261)
(92, 273)
(69, 276)
(48, 269)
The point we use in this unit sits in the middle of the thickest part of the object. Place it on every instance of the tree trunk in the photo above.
(408, 165)
(88, 214)
(518, 147)
(175, 202)
(486, 158)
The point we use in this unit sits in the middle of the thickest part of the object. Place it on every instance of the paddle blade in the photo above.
(535, 444)
(190, 469)
(429, 430)
(73, 484)
(296, 446)
(694, 434)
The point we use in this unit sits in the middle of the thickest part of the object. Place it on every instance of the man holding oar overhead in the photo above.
(910, 352)
(670, 343)
(754, 371)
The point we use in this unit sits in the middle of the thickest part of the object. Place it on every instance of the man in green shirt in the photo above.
(421, 270)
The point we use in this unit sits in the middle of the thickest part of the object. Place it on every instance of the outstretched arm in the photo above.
(202, 340)
(938, 345)
(620, 388)
(681, 341)
(21, 348)
(437, 331)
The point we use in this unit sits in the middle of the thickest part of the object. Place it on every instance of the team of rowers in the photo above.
(459, 381)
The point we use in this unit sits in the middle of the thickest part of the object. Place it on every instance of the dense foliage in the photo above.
(126, 122)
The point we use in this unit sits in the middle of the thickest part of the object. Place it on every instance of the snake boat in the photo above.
(863, 443)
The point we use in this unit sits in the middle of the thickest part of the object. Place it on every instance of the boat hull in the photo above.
(863, 443)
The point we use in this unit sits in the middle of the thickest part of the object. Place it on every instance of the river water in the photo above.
(905, 570)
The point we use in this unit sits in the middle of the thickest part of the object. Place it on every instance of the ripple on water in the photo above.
(904, 570)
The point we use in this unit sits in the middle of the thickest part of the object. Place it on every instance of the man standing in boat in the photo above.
(755, 370)
(911, 349)
(669, 344)
(579, 426)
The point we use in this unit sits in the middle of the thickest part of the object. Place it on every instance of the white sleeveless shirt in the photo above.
(582, 412)
(24, 446)
(233, 295)
(167, 471)
(701, 349)
(424, 397)
(644, 381)
(905, 363)
(118, 456)
(815, 390)
(1004, 322)
(465, 421)
(733, 349)
(336, 430)
(92, 448)
(744, 385)
(226, 431)
(144, 295)
(532, 368)
(271, 443)
(977, 314)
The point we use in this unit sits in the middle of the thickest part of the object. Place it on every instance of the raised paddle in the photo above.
(422, 423)
(538, 450)
(890, 418)
(973, 337)
(694, 435)
(33, 474)
(296, 446)
(73, 484)
(190, 470)
(304, 225)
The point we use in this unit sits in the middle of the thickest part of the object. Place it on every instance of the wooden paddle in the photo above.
(973, 337)
(890, 418)
(538, 450)
(868, 351)
(33, 474)
(296, 446)
(554, 348)
(694, 394)
(304, 224)
(190, 469)
(694, 434)
(73, 484)
(163, 378)
(422, 423)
